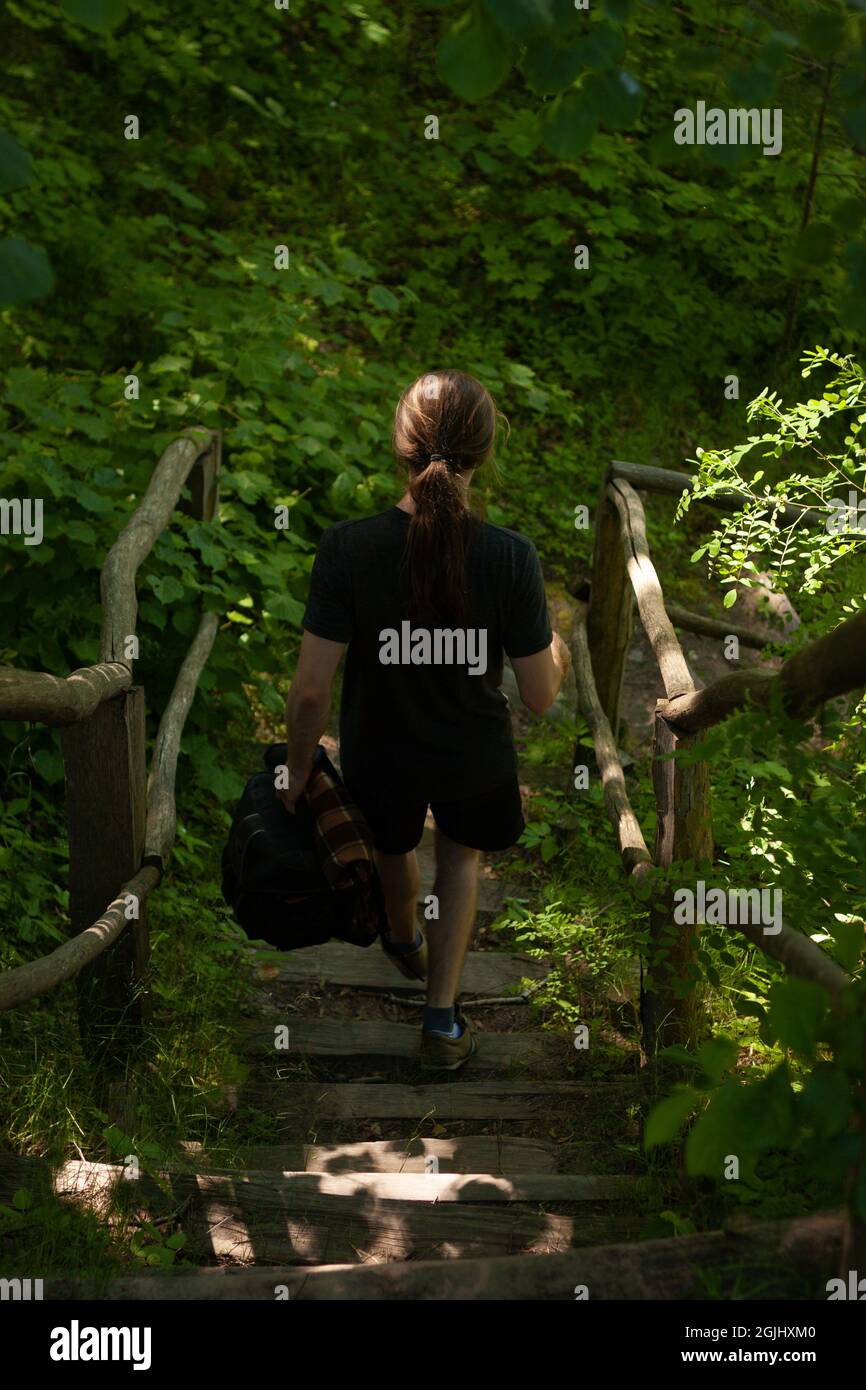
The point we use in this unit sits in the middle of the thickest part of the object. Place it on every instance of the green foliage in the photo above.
(821, 432)
(814, 1115)
(789, 814)
(155, 259)
(99, 15)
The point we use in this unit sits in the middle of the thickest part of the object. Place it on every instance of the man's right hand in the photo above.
(540, 677)
(561, 654)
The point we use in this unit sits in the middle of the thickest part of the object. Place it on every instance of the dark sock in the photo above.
(441, 1021)
(401, 948)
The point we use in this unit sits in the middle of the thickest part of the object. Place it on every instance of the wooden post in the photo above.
(611, 609)
(671, 1008)
(104, 760)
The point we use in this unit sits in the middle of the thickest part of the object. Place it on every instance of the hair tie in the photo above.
(437, 456)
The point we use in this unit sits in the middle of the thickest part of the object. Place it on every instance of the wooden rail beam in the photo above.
(161, 811)
(720, 627)
(38, 977)
(834, 664)
(800, 955)
(676, 676)
(667, 480)
(138, 537)
(56, 700)
(635, 856)
(611, 612)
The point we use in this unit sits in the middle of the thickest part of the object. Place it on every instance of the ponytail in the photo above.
(437, 546)
(444, 426)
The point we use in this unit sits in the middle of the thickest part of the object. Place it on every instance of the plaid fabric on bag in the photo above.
(344, 846)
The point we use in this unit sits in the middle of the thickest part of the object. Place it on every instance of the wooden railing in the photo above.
(121, 823)
(623, 576)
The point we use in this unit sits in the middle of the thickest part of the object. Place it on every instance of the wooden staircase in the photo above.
(514, 1179)
(455, 1168)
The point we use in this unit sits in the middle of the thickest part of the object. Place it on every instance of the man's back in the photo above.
(422, 702)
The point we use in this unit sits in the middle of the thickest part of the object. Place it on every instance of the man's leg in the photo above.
(456, 887)
(401, 880)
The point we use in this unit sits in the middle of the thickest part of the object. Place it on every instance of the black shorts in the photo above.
(491, 821)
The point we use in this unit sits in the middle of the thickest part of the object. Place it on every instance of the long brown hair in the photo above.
(444, 425)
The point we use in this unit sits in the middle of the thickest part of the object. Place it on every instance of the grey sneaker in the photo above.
(412, 964)
(441, 1053)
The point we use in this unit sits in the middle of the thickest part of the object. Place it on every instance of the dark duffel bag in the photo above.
(274, 871)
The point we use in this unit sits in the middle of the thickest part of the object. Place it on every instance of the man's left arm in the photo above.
(308, 709)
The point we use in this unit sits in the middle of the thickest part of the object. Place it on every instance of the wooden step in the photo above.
(93, 1182)
(463, 1100)
(487, 1153)
(767, 1260)
(432, 1187)
(337, 1037)
(265, 1216)
(336, 963)
(260, 1217)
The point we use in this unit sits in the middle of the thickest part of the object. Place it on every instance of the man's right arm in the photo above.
(540, 676)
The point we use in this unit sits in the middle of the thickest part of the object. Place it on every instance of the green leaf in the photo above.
(101, 15)
(383, 299)
(814, 246)
(826, 1101)
(570, 126)
(171, 363)
(25, 272)
(225, 784)
(549, 848)
(796, 1013)
(343, 486)
(520, 18)
(149, 1149)
(117, 1141)
(167, 588)
(716, 1056)
(730, 598)
(603, 46)
(550, 67)
(80, 531)
(616, 96)
(848, 214)
(272, 700)
(743, 1120)
(475, 60)
(619, 9)
(16, 166)
(824, 34)
(848, 941)
(854, 121)
(666, 1119)
(352, 264)
(49, 765)
(284, 607)
(22, 1199)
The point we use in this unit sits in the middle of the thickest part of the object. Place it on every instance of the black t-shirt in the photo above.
(434, 728)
